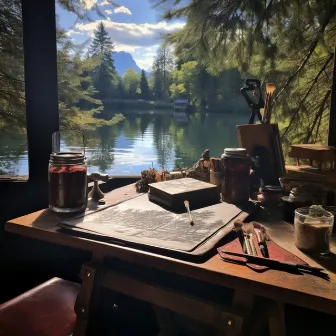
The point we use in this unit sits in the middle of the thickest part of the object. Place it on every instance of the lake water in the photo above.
(142, 140)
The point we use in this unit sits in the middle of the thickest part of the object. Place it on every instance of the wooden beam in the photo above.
(40, 61)
(227, 319)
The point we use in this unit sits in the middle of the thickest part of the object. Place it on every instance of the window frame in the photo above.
(42, 116)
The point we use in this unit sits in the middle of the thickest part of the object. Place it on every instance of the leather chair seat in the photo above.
(46, 310)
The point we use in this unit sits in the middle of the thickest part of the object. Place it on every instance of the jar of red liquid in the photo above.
(67, 182)
(236, 175)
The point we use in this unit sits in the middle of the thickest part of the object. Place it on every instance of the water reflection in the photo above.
(161, 139)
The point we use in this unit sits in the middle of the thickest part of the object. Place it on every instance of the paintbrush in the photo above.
(248, 229)
(273, 263)
(262, 243)
(186, 204)
(270, 88)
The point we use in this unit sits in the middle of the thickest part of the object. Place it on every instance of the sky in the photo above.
(134, 27)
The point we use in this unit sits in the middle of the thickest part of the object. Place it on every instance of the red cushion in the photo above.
(46, 310)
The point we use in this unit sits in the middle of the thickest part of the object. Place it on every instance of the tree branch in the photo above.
(307, 57)
(306, 95)
(317, 116)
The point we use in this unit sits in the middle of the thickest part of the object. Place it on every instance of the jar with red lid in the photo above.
(67, 182)
(236, 175)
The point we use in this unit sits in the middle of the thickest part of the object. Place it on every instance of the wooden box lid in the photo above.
(173, 193)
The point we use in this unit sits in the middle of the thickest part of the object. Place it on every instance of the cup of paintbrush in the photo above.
(245, 233)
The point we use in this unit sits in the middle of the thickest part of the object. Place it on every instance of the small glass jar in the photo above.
(312, 233)
(236, 175)
(67, 182)
(271, 195)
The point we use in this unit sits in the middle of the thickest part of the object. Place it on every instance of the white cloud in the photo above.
(104, 3)
(108, 11)
(125, 47)
(132, 34)
(123, 10)
(144, 63)
(73, 32)
(88, 4)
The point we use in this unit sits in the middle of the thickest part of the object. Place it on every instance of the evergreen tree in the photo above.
(120, 91)
(101, 50)
(144, 87)
(163, 72)
(158, 81)
(12, 95)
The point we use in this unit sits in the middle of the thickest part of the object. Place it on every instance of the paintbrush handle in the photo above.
(190, 217)
(266, 107)
(189, 214)
(247, 245)
(269, 114)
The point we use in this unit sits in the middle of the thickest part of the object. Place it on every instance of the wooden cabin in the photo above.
(112, 288)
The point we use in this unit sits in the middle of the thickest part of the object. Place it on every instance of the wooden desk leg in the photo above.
(165, 321)
(87, 299)
(276, 319)
(243, 300)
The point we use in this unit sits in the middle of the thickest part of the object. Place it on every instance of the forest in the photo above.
(287, 42)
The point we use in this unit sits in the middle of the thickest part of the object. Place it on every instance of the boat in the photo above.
(181, 105)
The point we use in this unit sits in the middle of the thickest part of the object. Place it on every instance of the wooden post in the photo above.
(40, 60)
(332, 114)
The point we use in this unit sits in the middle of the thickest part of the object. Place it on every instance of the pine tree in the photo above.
(120, 91)
(101, 50)
(144, 87)
(12, 95)
(163, 68)
(158, 81)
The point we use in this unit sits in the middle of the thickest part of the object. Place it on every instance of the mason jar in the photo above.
(67, 182)
(236, 175)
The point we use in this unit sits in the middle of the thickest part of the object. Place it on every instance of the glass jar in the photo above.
(236, 175)
(312, 230)
(67, 182)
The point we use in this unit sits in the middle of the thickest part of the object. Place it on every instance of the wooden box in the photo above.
(172, 194)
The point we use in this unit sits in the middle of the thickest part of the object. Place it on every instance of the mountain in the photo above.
(123, 61)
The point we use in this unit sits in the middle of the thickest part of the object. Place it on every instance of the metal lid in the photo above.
(240, 152)
(67, 158)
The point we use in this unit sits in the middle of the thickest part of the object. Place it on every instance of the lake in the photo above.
(142, 140)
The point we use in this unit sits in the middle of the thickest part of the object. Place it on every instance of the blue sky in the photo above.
(134, 27)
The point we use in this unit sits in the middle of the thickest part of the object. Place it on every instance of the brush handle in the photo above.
(189, 213)
(269, 114)
(263, 249)
(247, 245)
(266, 107)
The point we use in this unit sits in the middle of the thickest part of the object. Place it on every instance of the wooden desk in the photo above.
(274, 286)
